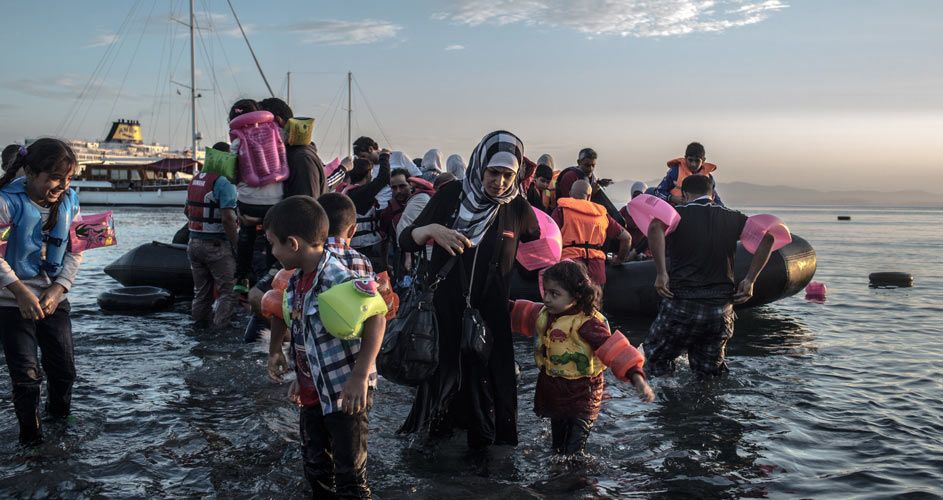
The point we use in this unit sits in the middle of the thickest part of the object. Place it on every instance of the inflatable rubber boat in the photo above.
(629, 288)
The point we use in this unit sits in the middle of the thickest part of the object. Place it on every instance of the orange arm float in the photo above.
(389, 296)
(280, 282)
(620, 356)
(524, 316)
(272, 303)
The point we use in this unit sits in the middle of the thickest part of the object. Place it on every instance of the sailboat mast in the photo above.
(192, 85)
(350, 109)
(288, 97)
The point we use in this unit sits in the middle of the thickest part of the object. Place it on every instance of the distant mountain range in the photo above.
(746, 194)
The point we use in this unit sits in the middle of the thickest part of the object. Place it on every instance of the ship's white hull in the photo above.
(152, 197)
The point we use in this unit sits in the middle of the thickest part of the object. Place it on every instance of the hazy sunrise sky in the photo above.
(827, 94)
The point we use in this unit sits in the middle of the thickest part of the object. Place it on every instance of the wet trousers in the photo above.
(246, 242)
(335, 452)
(212, 262)
(52, 335)
(570, 434)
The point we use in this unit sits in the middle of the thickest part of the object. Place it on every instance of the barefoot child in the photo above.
(334, 429)
(573, 347)
(36, 272)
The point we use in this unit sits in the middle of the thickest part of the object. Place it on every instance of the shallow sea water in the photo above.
(836, 400)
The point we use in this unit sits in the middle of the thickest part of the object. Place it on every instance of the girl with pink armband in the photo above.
(573, 346)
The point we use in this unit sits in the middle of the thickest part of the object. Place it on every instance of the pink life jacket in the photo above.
(261, 152)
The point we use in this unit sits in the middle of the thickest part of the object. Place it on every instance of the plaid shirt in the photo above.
(352, 259)
(330, 359)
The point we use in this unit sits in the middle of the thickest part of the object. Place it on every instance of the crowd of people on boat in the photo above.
(265, 201)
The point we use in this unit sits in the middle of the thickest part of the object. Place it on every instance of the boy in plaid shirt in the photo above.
(342, 224)
(334, 426)
(696, 314)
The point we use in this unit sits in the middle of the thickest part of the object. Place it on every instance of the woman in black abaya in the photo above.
(483, 213)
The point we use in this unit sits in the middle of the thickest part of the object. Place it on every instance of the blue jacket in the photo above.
(27, 238)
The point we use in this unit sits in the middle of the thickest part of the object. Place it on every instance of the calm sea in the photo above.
(836, 400)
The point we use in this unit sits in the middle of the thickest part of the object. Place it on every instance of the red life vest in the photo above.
(584, 229)
(706, 169)
(202, 206)
(391, 215)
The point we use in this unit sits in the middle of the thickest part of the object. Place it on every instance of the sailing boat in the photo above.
(123, 170)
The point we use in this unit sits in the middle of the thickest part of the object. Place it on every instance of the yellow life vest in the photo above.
(584, 229)
(560, 350)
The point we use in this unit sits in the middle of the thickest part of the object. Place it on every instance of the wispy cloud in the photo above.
(67, 85)
(101, 41)
(334, 32)
(455, 47)
(638, 18)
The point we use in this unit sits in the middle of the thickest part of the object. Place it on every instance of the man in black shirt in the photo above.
(696, 314)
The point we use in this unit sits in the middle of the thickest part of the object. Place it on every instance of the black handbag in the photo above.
(477, 339)
(409, 353)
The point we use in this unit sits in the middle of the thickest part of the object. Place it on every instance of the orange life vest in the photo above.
(550, 194)
(706, 169)
(584, 229)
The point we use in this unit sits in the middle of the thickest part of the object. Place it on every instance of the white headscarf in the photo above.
(545, 159)
(478, 209)
(399, 159)
(432, 161)
(456, 166)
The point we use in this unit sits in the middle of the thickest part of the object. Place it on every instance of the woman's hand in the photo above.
(49, 299)
(451, 240)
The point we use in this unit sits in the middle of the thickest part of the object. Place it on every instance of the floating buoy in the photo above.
(136, 299)
(891, 279)
(815, 291)
(844, 217)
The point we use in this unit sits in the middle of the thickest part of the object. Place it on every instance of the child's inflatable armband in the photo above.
(220, 162)
(346, 306)
(92, 231)
(280, 281)
(299, 131)
(645, 208)
(261, 152)
(274, 304)
(619, 355)
(389, 296)
(5, 231)
(759, 226)
(543, 252)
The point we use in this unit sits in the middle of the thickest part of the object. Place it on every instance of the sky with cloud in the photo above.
(843, 94)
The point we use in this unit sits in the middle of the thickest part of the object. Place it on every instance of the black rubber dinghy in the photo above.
(630, 287)
(163, 265)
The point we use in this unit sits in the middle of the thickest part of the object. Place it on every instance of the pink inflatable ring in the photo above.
(759, 226)
(645, 208)
(545, 251)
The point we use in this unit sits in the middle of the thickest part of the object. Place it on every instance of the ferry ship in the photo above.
(123, 170)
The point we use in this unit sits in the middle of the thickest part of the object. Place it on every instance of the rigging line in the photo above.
(73, 110)
(257, 65)
(232, 72)
(216, 87)
(337, 96)
(104, 77)
(370, 108)
(133, 57)
(155, 103)
(219, 89)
